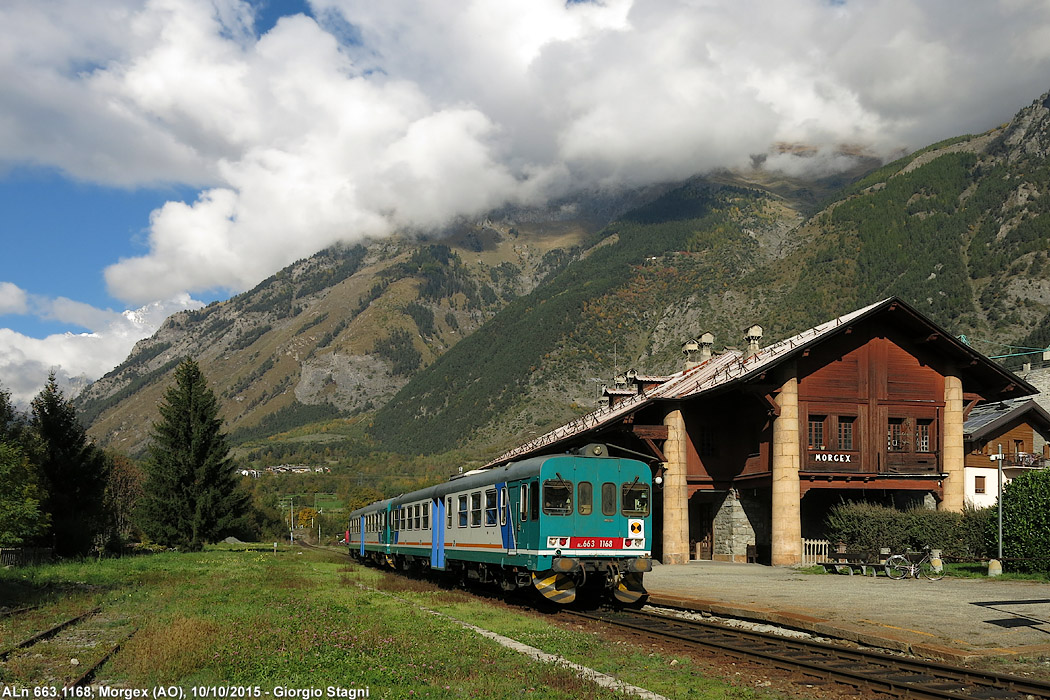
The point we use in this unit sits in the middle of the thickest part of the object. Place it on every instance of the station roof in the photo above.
(734, 367)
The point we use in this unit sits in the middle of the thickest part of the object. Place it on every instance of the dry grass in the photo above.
(167, 649)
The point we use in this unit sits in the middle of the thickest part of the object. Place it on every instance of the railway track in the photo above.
(864, 670)
(65, 654)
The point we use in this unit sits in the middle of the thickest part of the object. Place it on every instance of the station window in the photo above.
(557, 497)
(608, 498)
(846, 432)
(462, 511)
(896, 440)
(635, 499)
(816, 432)
(923, 443)
(524, 505)
(490, 507)
(475, 509)
(534, 500)
(978, 484)
(426, 516)
(503, 506)
(584, 498)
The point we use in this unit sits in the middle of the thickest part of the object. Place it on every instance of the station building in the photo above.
(752, 447)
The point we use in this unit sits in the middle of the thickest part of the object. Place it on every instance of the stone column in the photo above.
(787, 501)
(676, 491)
(953, 453)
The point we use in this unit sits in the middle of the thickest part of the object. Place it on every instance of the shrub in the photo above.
(1026, 521)
(871, 527)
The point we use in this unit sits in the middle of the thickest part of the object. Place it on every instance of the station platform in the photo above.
(956, 620)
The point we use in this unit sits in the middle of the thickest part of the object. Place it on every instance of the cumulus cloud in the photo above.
(12, 299)
(77, 358)
(367, 117)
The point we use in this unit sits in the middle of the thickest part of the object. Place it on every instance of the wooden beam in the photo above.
(657, 452)
(652, 432)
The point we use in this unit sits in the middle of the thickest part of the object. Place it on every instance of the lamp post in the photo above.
(998, 459)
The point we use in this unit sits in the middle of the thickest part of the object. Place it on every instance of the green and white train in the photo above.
(558, 523)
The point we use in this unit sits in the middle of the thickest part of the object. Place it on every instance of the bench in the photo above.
(852, 561)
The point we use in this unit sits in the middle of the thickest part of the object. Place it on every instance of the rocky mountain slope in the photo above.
(498, 329)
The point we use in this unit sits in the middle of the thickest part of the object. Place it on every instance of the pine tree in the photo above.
(73, 471)
(191, 494)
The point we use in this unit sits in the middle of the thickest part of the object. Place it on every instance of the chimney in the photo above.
(691, 350)
(707, 343)
(753, 338)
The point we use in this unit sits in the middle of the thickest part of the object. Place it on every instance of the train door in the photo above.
(524, 497)
(437, 536)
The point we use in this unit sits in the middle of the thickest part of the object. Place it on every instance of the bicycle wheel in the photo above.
(927, 570)
(897, 567)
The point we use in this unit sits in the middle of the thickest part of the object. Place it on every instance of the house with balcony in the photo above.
(1019, 430)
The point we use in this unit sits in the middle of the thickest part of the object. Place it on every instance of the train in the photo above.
(564, 525)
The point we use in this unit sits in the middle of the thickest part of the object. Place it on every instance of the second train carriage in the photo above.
(555, 522)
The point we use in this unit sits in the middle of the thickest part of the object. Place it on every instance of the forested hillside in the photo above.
(498, 330)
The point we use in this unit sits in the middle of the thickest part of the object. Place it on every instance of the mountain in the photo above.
(498, 329)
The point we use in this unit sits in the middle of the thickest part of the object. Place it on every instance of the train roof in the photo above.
(473, 479)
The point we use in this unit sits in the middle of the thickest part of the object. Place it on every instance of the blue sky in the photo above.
(156, 155)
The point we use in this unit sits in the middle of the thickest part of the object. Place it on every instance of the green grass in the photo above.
(961, 570)
(312, 620)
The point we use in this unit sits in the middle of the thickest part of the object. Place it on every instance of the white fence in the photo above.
(815, 551)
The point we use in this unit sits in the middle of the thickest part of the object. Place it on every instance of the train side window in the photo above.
(524, 507)
(584, 498)
(557, 497)
(534, 500)
(503, 506)
(608, 498)
(417, 522)
(490, 507)
(448, 513)
(636, 499)
(475, 509)
(462, 511)
(426, 516)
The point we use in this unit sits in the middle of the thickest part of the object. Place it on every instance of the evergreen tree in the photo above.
(73, 471)
(191, 494)
(20, 514)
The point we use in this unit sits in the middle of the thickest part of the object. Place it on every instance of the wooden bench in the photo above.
(851, 562)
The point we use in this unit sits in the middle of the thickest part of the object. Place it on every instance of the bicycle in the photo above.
(899, 566)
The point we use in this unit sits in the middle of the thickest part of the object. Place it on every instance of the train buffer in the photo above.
(851, 562)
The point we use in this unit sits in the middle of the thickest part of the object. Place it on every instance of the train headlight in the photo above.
(640, 565)
(565, 565)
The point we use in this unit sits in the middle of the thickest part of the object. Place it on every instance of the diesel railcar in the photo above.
(557, 523)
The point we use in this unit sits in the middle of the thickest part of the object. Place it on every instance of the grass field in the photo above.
(312, 620)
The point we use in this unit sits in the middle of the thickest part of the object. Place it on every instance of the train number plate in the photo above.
(595, 543)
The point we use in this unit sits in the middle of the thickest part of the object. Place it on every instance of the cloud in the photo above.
(12, 299)
(370, 117)
(78, 357)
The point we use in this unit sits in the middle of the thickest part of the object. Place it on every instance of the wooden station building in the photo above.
(753, 446)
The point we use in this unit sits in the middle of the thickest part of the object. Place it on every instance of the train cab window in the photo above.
(448, 512)
(524, 502)
(635, 499)
(490, 507)
(534, 500)
(584, 498)
(462, 511)
(426, 516)
(475, 509)
(557, 497)
(608, 498)
(503, 506)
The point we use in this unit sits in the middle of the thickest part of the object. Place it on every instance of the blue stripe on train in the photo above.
(507, 527)
(437, 541)
(362, 530)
